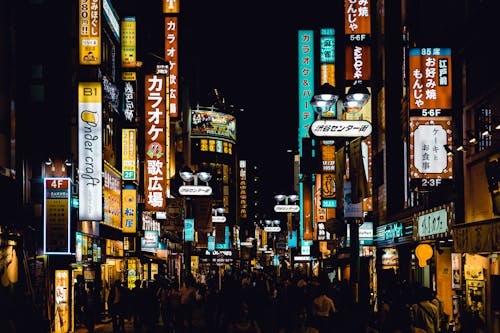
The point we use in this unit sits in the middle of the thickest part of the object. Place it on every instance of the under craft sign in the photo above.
(341, 128)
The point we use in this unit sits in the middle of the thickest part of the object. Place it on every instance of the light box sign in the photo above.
(213, 124)
(429, 159)
(357, 63)
(189, 230)
(327, 64)
(150, 240)
(129, 153)
(306, 82)
(171, 6)
(90, 32)
(128, 39)
(129, 210)
(112, 196)
(357, 20)
(430, 78)
(171, 57)
(129, 100)
(57, 217)
(90, 151)
(155, 141)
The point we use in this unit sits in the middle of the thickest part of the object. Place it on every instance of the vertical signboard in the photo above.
(129, 153)
(56, 226)
(430, 165)
(61, 301)
(90, 32)
(171, 56)
(154, 164)
(129, 98)
(306, 83)
(112, 196)
(357, 20)
(430, 81)
(128, 42)
(90, 151)
(129, 210)
(243, 189)
(189, 230)
(171, 6)
(357, 63)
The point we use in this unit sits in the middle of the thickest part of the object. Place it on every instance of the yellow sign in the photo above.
(129, 210)
(171, 6)
(129, 76)
(128, 39)
(61, 296)
(90, 32)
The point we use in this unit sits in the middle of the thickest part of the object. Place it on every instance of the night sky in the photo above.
(247, 51)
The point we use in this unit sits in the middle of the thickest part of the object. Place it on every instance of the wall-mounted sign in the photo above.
(57, 215)
(286, 208)
(212, 124)
(189, 230)
(272, 229)
(218, 219)
(341, 128)
(90, 32)
(195, 190)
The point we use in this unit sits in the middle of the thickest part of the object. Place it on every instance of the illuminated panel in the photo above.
(357, 20)
(90, 32)
(171, 56)
(430, 164)
(357, 63)
(90, 151)
(171, 6)
(430, 80)
(57, 217)
(213, 125)
(129, 100)
(129, 210)
(154, 164)
(128, 42)
(306, 83)
(243, 189)
(129, 153)
(327, 62)
(112, 196)
(61, 301)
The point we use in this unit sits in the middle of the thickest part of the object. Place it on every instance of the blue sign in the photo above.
(189, 230)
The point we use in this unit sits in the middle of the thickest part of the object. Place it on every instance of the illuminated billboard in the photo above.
(306, 83)
(57, 217)
(430, 80)
(90, 151)
(112, 196)
(129, 153)
(357, 20)
(357, 63)
(155, 156)
(171, 57)
(213, 124)
(430, 164)
(128, 42)
(90, 32)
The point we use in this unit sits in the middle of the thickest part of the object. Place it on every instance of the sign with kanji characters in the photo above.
(56, 226)
(357, 63)
(155, 156)
(430, 80)
(341, 128)
(112, 196)
(128, 42)
(129, 210)
(357, 20)
(129, 153)
(171, 57)
(90, 32)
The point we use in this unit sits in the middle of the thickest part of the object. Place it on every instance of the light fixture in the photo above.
(48, 161)
(68, 162)
(186, 174)
(471, 137)
(204, 176)
(327, 93)
(449, 150)
(359, 93)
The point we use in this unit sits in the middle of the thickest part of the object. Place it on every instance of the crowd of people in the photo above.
(259, 301)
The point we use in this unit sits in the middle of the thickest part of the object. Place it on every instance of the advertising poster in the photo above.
(456, 271)
(112, 196)
(90, 32)
(213, 124)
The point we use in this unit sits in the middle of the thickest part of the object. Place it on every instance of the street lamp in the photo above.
(287, 204)
(356, 98)
(191, 187)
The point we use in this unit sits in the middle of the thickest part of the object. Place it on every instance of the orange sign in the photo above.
(357, 18)
(430, 78)
(357, 63)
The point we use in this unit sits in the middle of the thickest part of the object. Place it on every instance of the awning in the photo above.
(476, 237)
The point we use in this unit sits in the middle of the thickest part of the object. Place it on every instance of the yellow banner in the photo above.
(90, 32)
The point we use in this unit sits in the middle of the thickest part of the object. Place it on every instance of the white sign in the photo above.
(218, 219)
(272, 229)
(341, 128)
(429, 143)
(286, 208)
(195, 190)
(432, 223)
(90, 151)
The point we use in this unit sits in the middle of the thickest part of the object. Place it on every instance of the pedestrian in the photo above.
(299, 321)
(425, 314)
(80, 294)
(323, 309)
(173, 308)
(136, 308)
(243, 321)
(188, 294)
(90, 307)
(163, 302)
(116, 306)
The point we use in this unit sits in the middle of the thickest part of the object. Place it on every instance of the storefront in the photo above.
(477, 270)
(432, 263)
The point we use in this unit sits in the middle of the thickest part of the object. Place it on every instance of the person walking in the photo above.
(90, 307)
(243, 321)
(188, 294)
(323, 309)
(136, 299)
(425, 314)
(116, 305)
